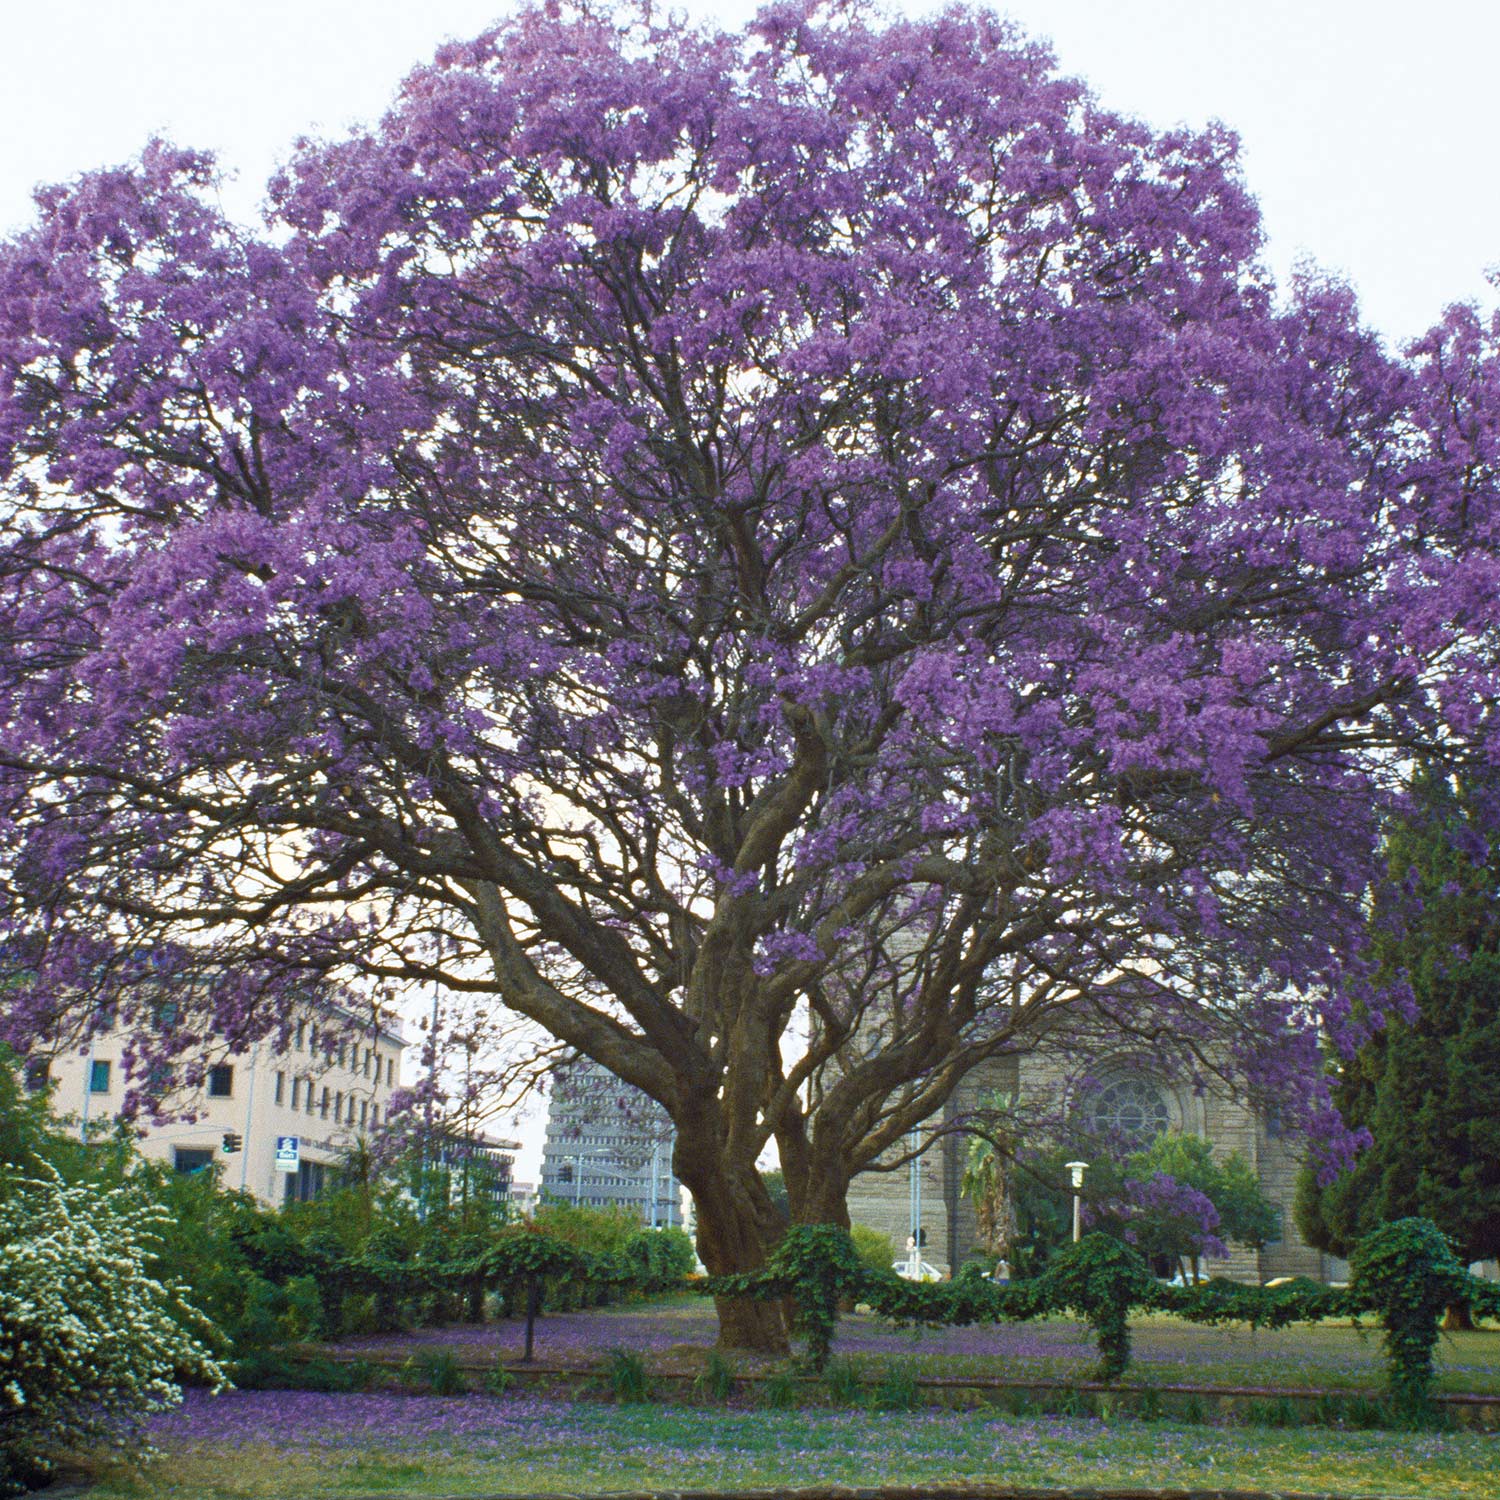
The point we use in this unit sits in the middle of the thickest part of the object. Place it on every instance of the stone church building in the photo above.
(1124, 1096)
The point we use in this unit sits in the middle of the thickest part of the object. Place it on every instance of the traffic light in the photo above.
(232, 1142)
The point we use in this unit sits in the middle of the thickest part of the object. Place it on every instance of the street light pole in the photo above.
(914, 1262)
(1077, 1169)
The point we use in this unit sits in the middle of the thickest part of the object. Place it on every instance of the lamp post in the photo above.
(914, 1250)
(1076, 1169)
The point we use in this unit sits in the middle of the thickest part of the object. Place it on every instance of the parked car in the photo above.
(918, 1271)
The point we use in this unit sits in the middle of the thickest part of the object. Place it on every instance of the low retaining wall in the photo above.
(962, 1391)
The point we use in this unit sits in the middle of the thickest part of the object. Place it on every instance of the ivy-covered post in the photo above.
(818, 1266)
(1100, 1279)
(525, 1260)
(1407, 1272)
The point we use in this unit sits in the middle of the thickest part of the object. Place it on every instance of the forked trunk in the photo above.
(823, 1195)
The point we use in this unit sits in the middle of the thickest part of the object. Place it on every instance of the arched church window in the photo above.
(1130, 1110)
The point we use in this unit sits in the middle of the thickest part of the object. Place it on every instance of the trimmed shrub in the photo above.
(1408, 1273)
(1101, 1279)
(659, 1260)
(715, 1380)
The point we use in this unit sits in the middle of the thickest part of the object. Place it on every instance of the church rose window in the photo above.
(1131, 1110)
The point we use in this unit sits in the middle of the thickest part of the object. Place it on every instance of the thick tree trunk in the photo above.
(1458, 1318)
(825, 1197)
(737, 1225)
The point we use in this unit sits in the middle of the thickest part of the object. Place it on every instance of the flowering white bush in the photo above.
(89, 1343)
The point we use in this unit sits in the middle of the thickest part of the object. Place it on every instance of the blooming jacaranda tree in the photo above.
(794, 560)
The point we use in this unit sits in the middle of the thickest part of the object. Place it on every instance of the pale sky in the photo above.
(1369, 127)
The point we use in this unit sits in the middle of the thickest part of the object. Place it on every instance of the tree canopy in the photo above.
(819, 536)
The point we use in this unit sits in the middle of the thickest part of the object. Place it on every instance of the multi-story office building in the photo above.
(608, 1144)
(476, 1166)
(313, 1101)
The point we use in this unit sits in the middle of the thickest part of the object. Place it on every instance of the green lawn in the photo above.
(269, 1445)
(1168, 1351)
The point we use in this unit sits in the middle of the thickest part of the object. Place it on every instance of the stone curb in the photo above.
(540, 1373)
(976, 1491)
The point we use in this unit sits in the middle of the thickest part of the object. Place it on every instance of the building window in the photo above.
(324, 1110)
(301, 1036)
(221, 1081)
(309, 1096)
(38, 1076)
(280, 1085)
(1129, 1110)
(390, 1072)
(374, 1114)
(343, 1054)
(309, 1180)
(99, 1078)
(338, 1106)
(192, 1159)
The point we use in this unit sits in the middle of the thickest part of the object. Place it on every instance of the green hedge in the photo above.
(1403, 1272)
(527, 1267)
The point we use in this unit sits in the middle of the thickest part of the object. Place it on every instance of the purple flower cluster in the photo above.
(1163, 1211)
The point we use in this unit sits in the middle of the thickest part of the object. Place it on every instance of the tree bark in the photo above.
(737, 1227)
(1458, 1318)
(825, 1196)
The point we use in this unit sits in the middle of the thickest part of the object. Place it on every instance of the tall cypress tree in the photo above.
(1428, 1088)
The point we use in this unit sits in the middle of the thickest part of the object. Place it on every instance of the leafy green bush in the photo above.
(876, 1251)
(780, 1389)
(896, 1390)
(843, 1383)
(816, 1265)
(282, 1370)
(438, 1370)
(659, 1259)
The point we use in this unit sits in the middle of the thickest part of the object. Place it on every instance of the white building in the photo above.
(608, 1145)
(330, 1088)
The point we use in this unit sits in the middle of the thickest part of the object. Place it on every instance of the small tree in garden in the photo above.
(1178, 1202)
(522, 1263)
(90, 1344)
(989, 1170)
(699, 539)
(817, 1267)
